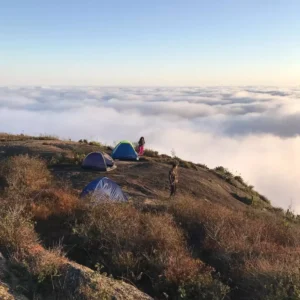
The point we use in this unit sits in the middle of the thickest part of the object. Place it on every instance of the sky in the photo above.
(149, 43)
(218, 82)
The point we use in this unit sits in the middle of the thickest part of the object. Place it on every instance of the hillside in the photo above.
(147, 178)
(219, 239)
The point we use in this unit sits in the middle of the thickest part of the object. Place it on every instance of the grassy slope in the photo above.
(224, 222)
(147, 178)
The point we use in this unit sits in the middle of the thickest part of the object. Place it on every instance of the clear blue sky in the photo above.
(157, 42)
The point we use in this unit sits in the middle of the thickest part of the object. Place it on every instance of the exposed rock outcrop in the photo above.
(87, 284)
(73, 281)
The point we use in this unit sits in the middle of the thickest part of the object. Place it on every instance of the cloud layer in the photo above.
(254, 131)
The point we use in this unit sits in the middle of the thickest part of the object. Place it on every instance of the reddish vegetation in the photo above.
(53, 202)
(24, 174)
(256, 250)
(140, 246)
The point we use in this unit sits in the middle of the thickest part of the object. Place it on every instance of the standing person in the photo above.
(141, 146)
(173, 179)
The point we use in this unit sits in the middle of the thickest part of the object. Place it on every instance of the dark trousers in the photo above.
(173, 189)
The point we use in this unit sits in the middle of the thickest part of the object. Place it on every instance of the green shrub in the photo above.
(58, 159)
(78, 158)
(220, 169)
(94, 143)
(223, 171)
(75, 158)
(240, 180)
(187, 165)
(265, 199)
(151, 153)
(46, 137)
(202, 166)
(203, 287)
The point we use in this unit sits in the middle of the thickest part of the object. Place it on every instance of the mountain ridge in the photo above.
(218, 239)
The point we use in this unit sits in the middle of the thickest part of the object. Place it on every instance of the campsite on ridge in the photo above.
(149, 150)
(217, 239)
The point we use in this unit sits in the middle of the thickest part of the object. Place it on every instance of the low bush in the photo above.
(255, 250)
(203, 166)
(151, 153)
(14, 137)
(93, 143)
(149, 250)
(83, 141)
(34, 271)
(224, 172)
(17, 233)
(265, 199)
(187, 165)
(240, 180)
(74, 158)
(24, 174)
(53, 202)
(45, 265)
(24, 137)
(46, 137)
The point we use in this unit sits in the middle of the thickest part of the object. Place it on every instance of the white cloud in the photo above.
(253, 131)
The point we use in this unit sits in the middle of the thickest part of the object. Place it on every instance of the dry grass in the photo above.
(258, 251)
(13, 137)
(5, 293)
(163, 158)
(151, 153)
(23, 137)
(255, 250)
(48, 137)
(16, 231)
(36, 272)
(19, 242)
(139, 245)
(147, 249)
(24, 174)
(53, 202)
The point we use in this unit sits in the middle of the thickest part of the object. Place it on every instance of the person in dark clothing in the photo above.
(173, 179)
(141, 146)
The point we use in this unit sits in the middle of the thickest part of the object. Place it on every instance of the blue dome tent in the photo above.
(102, 189)
(98, 161)
(125, 151)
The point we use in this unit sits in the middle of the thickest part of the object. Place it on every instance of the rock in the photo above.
(74, 282)
(77, 282)
(4, 293)
(88, 284)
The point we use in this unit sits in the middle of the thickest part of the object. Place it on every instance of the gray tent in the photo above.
(98, 161)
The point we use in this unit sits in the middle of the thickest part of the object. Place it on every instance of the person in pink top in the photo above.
(141, 146)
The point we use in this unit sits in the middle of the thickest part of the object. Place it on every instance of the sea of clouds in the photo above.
(253, 131)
